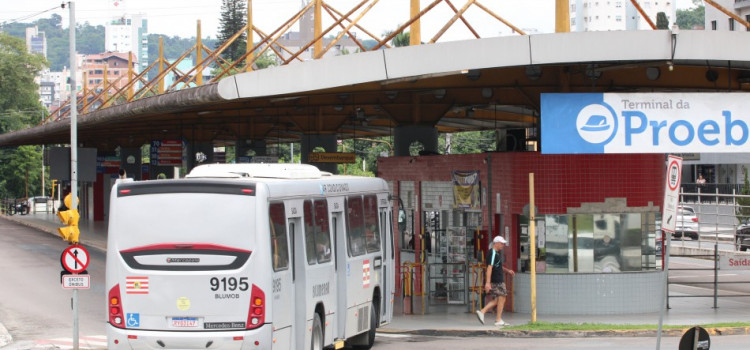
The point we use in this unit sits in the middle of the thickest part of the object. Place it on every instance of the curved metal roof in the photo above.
(455, 86)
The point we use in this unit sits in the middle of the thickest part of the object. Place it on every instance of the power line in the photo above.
(23, 18)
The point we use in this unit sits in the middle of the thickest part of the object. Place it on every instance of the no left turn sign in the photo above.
(75, 259)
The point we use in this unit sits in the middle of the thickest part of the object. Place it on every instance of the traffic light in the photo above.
(69, 217)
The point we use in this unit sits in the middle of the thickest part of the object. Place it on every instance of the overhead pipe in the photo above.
(643, 14)
(562, 16)
(346, 29)
(463, 19)
(415, 35)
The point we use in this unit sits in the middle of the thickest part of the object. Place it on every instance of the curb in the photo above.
(50, 231)
(5, 337)
(716, 331)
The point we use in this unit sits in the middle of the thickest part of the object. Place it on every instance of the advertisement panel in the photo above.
(466, 189)
(596, 123)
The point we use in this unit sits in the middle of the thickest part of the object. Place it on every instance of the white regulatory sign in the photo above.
(76, 281)
(734, 262)
(671, 193)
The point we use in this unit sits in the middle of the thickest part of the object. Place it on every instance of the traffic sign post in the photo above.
(75, 259)
(668, 225)
(76, 281)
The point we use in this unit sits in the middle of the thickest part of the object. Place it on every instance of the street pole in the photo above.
(73, 145)
(532, 245)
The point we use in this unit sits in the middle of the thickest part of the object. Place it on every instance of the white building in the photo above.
(128, 33)
(36, 41)
(54, 87)
(717, 20)
(603, 15)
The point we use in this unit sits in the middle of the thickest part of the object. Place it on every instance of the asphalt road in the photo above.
(696, 277)
(33, 304)
(34, 307)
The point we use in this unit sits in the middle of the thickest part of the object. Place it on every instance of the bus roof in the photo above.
(251, 170)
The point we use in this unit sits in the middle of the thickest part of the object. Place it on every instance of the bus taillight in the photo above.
(256, 315)
(115, 307)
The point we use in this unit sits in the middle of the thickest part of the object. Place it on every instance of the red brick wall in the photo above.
(561, 181)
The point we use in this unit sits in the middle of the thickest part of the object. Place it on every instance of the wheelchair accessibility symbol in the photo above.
(133, 320)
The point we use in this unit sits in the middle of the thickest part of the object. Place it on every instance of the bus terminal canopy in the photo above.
(480, 84)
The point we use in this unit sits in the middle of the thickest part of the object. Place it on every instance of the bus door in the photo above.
(386, 273)
(339, 244)
(386, 232)
(319, 266)
(299, 281)
(282, 298)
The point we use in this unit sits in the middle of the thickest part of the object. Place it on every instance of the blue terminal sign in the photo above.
(598, 123)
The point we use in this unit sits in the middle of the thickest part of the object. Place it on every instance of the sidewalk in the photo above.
(684, 311)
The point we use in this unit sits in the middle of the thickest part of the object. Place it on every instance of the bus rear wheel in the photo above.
(317, 333)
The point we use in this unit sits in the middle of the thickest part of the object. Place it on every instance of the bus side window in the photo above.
(322, 232)
(355, 226)
(372, 230)
(279, 243)
(309, 234)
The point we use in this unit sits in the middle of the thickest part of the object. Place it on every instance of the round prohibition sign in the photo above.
(75, 259)
(673, 175)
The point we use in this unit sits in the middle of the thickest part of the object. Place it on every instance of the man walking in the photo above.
(495, 278)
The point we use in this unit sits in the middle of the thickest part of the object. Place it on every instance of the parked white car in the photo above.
(687, 223)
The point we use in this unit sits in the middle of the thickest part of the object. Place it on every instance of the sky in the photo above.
(179, 17)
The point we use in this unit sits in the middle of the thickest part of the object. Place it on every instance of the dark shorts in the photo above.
(497, 290)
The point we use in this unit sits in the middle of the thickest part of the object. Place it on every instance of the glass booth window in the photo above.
(591, 243)
(279, 245)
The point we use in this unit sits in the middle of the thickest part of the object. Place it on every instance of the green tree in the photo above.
(89, 39)
(692, 17)
(401, 39)
(19, 108)
(233, 18)
(18, 91)
(661, 21)
(467, 142)
(266, 60)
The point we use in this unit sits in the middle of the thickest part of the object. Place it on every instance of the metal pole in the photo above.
(532, 245)
(73, 145)
(665, 288)
(716, 234)
(42, 174)
(716, 274)
(415, 36)
(699, 219)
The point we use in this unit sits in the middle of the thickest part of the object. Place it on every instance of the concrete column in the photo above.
(192, 148)
(130, 160)
(328, 142)
(405, 135)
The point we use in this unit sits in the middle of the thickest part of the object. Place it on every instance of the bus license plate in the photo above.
(184, 322)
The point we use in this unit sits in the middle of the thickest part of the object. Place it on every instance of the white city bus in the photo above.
(249, 256)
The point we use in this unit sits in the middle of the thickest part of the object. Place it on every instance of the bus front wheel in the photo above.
(317, 333)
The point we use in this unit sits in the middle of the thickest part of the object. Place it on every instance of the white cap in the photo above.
(499, 239)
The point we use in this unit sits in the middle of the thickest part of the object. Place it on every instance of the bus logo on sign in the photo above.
(645, 123)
